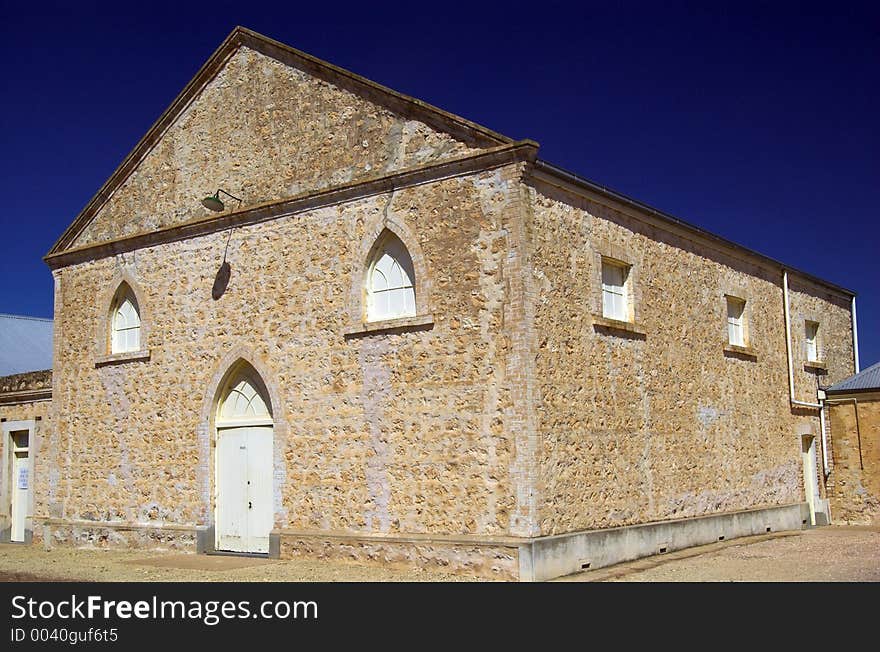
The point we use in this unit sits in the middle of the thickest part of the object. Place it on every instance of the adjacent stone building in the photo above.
(25, 410)
(853, 407)
(310, 316)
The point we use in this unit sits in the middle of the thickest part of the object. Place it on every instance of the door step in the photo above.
(232, 553)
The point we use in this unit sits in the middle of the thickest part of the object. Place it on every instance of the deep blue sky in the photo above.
(757, 121)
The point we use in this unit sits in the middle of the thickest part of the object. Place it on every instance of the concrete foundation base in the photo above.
(499, 558)
(490, 558)
(97, 534)
(548, 557)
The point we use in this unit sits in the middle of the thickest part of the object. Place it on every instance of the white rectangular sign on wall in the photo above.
(23, 478)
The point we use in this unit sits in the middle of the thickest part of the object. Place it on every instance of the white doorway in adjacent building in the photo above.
(18, 436)
(811, 481)
(244, 514)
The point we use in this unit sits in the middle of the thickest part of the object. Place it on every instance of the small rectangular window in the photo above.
(811, 331)
(21, 439)
(735, 321)
(615, 304)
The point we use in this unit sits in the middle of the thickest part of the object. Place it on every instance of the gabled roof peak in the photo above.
(403, 105)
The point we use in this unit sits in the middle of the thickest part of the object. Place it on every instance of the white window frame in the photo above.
(254, 399)
(811, 337)
(736, 323)
(391, 259)
(122, 334)
(615, 297)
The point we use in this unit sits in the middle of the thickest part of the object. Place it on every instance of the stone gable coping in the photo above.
(26, 387)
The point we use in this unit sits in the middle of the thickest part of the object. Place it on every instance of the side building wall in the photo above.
(660, 420)
(854, 483)
(25, 406)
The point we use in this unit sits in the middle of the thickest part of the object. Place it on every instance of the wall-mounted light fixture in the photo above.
(213, 202)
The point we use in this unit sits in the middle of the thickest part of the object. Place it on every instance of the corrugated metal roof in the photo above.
(25, 344)
(868, 378)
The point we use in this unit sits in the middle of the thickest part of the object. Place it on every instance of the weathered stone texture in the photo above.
(28, 381)
(854, 483)
(832, 312)
(25, 411)
(50, 533)
(639, 428)
(403, 432)
(263, 131)
(487, 561)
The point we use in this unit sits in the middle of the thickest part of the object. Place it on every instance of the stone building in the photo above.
(310, 316)
(853, 407)
(25, 408)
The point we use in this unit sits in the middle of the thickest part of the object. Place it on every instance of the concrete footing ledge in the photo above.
(500, 558)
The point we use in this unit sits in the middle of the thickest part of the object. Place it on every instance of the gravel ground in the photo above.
(32, 563)
(828, 554)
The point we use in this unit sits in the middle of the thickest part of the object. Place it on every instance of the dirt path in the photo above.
(829, 554)
(19, 563)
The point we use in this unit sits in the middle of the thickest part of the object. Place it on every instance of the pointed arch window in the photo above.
(126, 323)
(243, 401)
(243, 398)
(390, 281)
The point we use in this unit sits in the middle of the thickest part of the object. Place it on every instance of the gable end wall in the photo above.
(262, 131)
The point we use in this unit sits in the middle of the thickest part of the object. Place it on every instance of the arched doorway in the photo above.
(243, 463)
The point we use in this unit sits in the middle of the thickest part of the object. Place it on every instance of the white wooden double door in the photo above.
(244, 488)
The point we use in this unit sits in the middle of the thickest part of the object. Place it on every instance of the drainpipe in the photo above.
(787, 333)
(825, 470)
(788, 346)
(855, 326)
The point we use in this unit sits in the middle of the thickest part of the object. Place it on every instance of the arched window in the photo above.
(243, 401)
(390, 281)
(126, 322)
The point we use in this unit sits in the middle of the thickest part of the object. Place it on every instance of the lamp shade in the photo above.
(213, 202)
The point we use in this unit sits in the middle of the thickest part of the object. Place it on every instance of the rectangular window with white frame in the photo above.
(811, 333)
(615, 290)
(736, 326)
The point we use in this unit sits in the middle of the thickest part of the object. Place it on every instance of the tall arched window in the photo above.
(126, 322)
(390, 281)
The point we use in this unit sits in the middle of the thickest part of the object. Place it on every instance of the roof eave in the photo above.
(579, 181)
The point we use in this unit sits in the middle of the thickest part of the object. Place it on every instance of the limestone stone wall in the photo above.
(835, 345)
(854, 483)
(409, 431)
(263, 131)
(658, 421)
(490, 561)
(39, 410)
